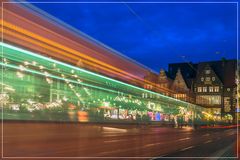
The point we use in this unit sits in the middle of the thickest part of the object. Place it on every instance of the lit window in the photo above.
(210, 89)
(208, 99)
(202, 79)
(204, 89)
(207, 78)
(207, 71)
(216, 89)
(213, 78)
(199, 89)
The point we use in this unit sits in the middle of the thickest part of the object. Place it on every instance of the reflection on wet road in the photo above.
(26, 139)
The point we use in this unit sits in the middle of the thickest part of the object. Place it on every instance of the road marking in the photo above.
(184, 149)
(148, 145)
(114, 140)
(182, 139)
(153, 144)
(112, 130)
(208, 141)
(229, 134)
(164, 155)
(206, 135)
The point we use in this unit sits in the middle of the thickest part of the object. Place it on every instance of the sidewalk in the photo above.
(227, 153)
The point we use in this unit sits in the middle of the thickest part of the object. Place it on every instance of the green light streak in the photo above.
(56, 77)
(87, 72)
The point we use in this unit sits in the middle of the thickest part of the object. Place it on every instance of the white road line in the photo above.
(182, 139)
(153, 144)
(184, 149)
(111, 129)
(206, 135)
(229, 134)
(162, 155)
(209, 141)
(114, 140)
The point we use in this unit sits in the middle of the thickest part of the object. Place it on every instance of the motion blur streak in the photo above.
(46, 35)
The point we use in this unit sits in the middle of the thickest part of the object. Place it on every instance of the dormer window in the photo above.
(208, 79)
(207, 71)
(213, 78)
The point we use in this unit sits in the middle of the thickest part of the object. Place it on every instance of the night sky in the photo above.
(157, 34)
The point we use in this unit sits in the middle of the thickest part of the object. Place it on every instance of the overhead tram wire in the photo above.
(149, 27)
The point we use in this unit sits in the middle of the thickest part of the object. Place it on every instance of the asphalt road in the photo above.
(28, 139)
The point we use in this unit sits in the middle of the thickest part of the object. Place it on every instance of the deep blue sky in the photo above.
(156, 34)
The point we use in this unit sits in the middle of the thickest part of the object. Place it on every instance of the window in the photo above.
(199, 89)
(204, 89)
(202, 79)
(207, 71)
(208, 79)
(216, 89)
(210, 89)
(208, 99)
(213, 78)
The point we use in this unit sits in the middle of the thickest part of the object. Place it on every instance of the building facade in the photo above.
(215, 87)
(212, 83)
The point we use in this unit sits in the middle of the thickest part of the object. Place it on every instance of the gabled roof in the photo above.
(180, 75)
(188, 70)
(224, 69)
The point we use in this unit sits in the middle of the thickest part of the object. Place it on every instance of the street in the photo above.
(45, 139)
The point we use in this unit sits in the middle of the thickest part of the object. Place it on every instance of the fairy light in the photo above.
(99, 79)
(49, 81)
(22, 68)
(20, 75)
(34, 63)
(41, 67)
(26, 63)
